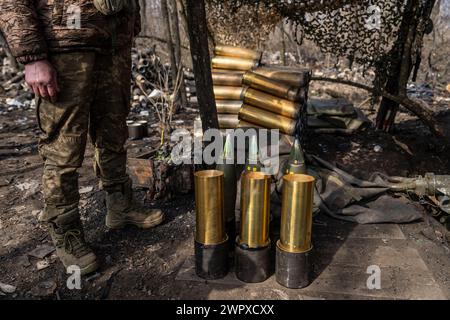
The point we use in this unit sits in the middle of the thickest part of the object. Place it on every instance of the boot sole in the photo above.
(142, 225)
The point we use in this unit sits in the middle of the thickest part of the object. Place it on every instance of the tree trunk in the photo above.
(177, 46)
(170, 48)
(198, 37)
(283, 44)
(402, 66)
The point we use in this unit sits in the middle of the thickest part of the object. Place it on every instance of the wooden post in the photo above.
(198, 36)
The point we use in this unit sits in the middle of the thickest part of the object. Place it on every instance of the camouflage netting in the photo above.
(360, 30)
(364, 31)
(241, 24)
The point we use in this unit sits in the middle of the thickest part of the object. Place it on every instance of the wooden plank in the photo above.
(395, 283)
(368, 231)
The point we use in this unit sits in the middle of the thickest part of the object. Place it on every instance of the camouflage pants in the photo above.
(94, 100)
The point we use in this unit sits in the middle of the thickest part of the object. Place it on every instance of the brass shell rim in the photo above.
(288, 250)
(204, 174)
(257, 175)
(240, 243)
(212, 244)
(299, 178)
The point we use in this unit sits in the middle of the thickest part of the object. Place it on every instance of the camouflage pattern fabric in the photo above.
(35, 28)
(94, 100)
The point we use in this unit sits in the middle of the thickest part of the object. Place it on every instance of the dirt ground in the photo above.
(145, 264)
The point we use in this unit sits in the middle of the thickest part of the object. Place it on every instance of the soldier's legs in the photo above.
(109, 112)
(64, 125)
(109, 133)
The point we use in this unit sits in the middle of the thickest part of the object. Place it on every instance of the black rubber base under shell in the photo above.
(211, 261)
(293, 270)
(253, 265)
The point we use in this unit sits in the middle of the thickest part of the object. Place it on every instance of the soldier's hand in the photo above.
(42, 78)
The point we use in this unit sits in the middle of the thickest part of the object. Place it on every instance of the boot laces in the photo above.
(74, 243)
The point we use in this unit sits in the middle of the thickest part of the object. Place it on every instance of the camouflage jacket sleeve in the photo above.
(21, 28)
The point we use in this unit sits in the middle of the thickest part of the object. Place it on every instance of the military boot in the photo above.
(124, 210)
(68, 236)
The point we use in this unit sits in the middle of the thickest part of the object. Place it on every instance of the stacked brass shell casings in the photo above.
(244, 124)
(227, 78)
(267, 119)
(293, 77)
(272, 103)
(228, 102)
(228, 121)
(294, 246)
(228, 68)
(228, 106)
(253, 244)
(281, 92)
(230, 51)
(233, 63)
(229, 93)
(211, 240)
(274, 87)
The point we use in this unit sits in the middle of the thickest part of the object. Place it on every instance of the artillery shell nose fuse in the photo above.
(293, 265)
(211, 240)
(252, 255)
(230, 189)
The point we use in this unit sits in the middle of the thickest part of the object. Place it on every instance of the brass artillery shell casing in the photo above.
(210, 217)
(214, 70)
(245, 124)
(233, 63)
(272, 103)
(255, 210)
(233, 78)
(293, 77)
(266, 119)
(229, 93)
(274, 87)
(228, 121)
(231, 51)
(228, 106)
(296, 213)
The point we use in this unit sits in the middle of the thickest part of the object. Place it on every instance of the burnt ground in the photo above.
(147, 264)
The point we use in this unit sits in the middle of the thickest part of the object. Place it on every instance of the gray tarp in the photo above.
(345, 197)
